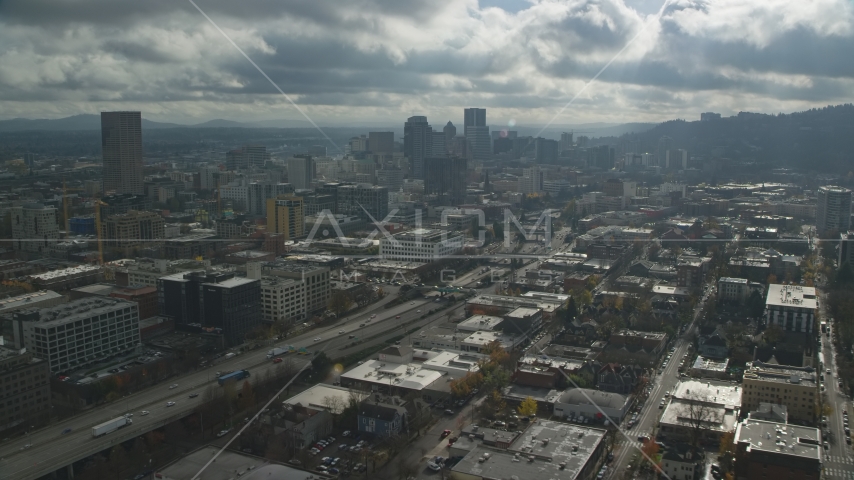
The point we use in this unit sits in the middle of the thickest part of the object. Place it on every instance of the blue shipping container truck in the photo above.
(238, 375)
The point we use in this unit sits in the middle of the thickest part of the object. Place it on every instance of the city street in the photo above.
(838, 460)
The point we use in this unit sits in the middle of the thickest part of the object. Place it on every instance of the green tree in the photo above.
(571, 310)
(528, 407)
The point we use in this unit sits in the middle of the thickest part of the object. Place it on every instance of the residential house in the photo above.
(381, 418)
(618, 378)
(305, 426)
(713, 346)
(682, 462)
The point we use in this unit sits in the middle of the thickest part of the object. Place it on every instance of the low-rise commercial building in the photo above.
(700, 412)
(777, 450)
(791, 307)
(421, 245)
(794, 387)
(594, 405)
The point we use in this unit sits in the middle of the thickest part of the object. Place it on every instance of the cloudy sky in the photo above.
(352, 61)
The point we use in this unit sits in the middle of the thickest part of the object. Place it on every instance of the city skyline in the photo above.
(523, 61)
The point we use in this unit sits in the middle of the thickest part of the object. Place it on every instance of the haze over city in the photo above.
(399, 240)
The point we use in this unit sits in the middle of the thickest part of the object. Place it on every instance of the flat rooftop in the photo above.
(230, 464)
(479, 322)
(781, 373)
(710, 364)
(791, 296)
(21, 301)
(317, 397)
(720, 393)
(83, 308)
(408, 376)
(780, 438)
(64, 272)
(545, 450)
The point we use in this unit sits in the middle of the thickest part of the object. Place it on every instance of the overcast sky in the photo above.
(352, 61)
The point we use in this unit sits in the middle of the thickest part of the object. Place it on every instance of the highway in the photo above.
(51, 450)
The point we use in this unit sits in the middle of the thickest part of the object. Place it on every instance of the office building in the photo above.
(777, 450)
(833, 210)
(362, 200)
(132, 229)
(259, 192)
(121, 150)
(282, 300)
(846, 249)
(417, 143)
(391, 178)
(79, 333)
(450, 132)
(438, 144)
(314, 202)
(565, 141)
(381, 142)
(676, 159)
(34, 227)
(531, 180)
(791, 307)
(300, 171)
(546, 150)
(285, 215)
(212, 300)
(446, 177)
(420, 245)
(734, 290)
(246, 157)
(315, 279)
(794, 387)
(665, 143)
(24, 388)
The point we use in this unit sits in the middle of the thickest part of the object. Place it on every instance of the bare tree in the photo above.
(334, 404)
(700, 413)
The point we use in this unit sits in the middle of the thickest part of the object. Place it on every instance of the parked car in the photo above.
(445, 433)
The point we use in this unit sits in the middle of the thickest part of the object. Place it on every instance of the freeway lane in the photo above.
(50, 449)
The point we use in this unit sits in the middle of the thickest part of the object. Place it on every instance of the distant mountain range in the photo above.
(93, 122)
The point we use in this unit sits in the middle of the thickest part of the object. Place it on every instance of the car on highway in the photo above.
(317, 339)
(374, 316)
(144, 413)
(67, 430)
(418, 311)
(170, 404)
(223, 433)
(174, 385)
(449, 412)
(397, 316)
(361, 325)
(341, 332)
(193, 395)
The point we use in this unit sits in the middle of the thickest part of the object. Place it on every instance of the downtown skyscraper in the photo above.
(417, 143)
(477, 133)
(121, 150)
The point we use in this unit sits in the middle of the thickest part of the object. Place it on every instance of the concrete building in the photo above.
(79, 333)
(300, 171)
(420, 245)
(791, 307)
(132, 229)
(246, 157)
(362, 200)
(777, 450)
(285, 215)
(315, 278)
(794, 387)
(24, 388)
(846, 249)
(531, 180)
(735, 290)
(282, 300)
(591, 404)
(259, 192)
(833, 210)
(121, 150)
(34, 227)
(40, 299)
